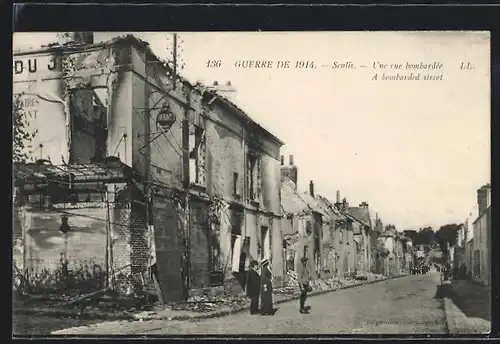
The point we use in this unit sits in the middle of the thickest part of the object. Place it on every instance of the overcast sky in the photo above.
(416, 151)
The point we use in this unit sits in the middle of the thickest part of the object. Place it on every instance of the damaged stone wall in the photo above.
(301, 243)
(277, 253)
(165, 146)
(44, 249)
(375, 263)
(46, 115)
(200, 249)
(226, 175)
(45, 244)
(225, 152)
(46, 91)
(351, 252)
(169, 236)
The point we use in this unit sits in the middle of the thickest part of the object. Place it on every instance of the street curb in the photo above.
(218, 314)
(450, 320)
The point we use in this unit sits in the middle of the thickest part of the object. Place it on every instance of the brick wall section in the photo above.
(121, 243)
(138, 240)
(131, 251)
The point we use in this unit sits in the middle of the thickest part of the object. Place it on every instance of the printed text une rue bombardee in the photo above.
(414, 71)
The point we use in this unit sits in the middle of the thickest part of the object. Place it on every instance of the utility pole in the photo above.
(185, 172)
(109, 246)
(175, 60)
(147, 166)
(186, 175)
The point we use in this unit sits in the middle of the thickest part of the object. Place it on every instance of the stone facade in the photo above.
(318, 228)
(212, 155)
(362, 231)
(301, 226)
(481, 248)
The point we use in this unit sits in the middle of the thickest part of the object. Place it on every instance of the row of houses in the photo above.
(139, 171)
(472, 253)
(338, 239)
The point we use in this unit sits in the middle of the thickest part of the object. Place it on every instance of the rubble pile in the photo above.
(333, 283)
(375, 277)
(369, 276)
(287, 290)
(206, 303)
(292, 287)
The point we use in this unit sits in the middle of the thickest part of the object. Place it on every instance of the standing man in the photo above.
(303, 279)
(253, 287)
(266, 292)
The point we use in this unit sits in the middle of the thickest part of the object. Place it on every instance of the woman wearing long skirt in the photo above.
(266, 290)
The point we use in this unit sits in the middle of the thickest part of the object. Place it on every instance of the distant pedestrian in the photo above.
(303, 279)
(253, 287)
(266, 292)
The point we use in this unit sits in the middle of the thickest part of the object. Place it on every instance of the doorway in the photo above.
(199, 247)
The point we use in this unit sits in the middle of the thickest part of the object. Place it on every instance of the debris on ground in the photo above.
(207, 303)
(323, 284)
(197, 304)
(109, 304)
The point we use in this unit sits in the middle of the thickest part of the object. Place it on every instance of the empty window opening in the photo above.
(89, 127)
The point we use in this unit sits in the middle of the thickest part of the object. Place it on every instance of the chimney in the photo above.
(363, 205)
(338, 203)
(216, 83)
(483, 198)
(345, 205)
(288, 171)
(311, 188)
(76, 37)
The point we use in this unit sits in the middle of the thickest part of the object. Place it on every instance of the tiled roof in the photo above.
(313, 203)
(334, 212)
(291, 202)
(361, 214)
(329, 212)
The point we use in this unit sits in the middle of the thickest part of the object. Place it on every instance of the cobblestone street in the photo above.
(405, 305)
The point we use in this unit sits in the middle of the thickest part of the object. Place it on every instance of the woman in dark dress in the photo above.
(253, 287)
(266, 290)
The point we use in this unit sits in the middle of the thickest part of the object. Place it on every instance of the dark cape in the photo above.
(266, 293)
(253, 283)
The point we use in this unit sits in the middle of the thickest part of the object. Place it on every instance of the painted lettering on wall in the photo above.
(33, 65)
(30, 106)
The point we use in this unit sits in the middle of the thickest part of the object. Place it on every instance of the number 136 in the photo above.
(214, 63)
